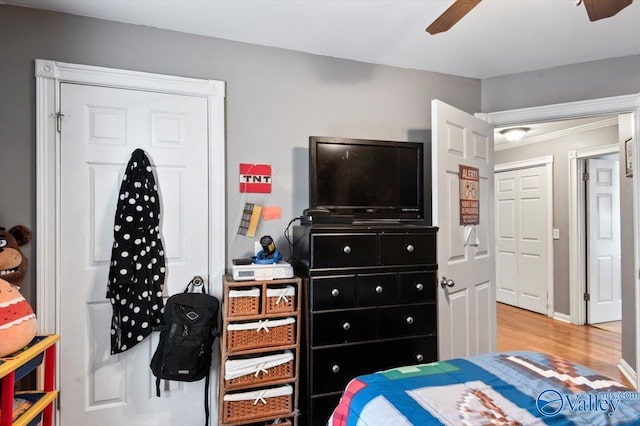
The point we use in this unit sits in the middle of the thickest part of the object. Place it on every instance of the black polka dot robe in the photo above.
(136, 274)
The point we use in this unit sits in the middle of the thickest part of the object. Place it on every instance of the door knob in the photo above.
(446, 282)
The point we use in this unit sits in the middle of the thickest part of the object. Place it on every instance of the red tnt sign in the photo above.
(255, 178)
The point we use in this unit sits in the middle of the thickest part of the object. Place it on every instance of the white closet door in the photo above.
(521, 237)
(100, 129)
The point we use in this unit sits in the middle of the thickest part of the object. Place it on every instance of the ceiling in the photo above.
(497, 37)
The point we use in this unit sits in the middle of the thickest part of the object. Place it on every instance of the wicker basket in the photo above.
(261, 334)
(259, 370)
(256, 404)
(243, 302)
(281, 299)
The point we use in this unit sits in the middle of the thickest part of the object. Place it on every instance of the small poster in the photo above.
(469, 195)
(255, 178)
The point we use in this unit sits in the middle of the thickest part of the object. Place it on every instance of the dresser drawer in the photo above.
(343, 326)
(407, 320)
(408, 249)
(411, 351)
(376, 289)
(417, 286)
(332, 368)
(345, 250)
(321, 409)
(333, 292)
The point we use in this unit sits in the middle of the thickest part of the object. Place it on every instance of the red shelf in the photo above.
(16, 366)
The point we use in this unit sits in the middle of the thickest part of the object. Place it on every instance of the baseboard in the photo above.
(628, 372)
(562, 317)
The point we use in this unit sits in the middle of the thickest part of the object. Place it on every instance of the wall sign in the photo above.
(255, 178)
(469, 195)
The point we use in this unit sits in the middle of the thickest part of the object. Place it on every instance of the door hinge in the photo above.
(585, 176)
(59, 116)
(587, 297)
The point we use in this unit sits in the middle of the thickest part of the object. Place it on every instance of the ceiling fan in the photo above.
(596, 9)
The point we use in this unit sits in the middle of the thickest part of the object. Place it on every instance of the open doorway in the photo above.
(600, 137)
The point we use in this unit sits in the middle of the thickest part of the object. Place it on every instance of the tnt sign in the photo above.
(255, 178)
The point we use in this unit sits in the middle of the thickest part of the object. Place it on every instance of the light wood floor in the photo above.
(597, 349)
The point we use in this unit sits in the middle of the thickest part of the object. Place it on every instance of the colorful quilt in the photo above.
(504, 388)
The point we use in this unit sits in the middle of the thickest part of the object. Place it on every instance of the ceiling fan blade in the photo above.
(452, 15)
(600, 9)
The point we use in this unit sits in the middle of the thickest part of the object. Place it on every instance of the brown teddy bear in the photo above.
(18, 325)
(13, 265)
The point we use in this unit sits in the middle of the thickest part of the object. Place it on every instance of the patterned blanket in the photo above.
(508, 388)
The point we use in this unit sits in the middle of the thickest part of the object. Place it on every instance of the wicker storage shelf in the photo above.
(261, 334)
(257, 404)
(280, 299)
(259, 352)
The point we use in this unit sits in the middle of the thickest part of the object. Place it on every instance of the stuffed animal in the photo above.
(18, 325)
(13, 265)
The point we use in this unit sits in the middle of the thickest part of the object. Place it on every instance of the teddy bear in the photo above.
(13, 265)
(18, 325)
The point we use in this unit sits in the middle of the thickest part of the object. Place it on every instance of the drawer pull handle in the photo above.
(335, 368)
(419, 286)
(346, 249)
(409, 320)
(379, 289)
(419, 357)
(410, 248)
(335, 292)
(346, 326)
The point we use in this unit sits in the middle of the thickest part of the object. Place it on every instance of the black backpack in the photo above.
(186, 338)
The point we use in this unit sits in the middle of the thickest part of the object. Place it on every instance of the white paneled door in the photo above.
(101, 127)
(466, 257)
(603, 246)
(522, 237)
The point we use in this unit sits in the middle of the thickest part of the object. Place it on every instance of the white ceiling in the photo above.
(498, 37)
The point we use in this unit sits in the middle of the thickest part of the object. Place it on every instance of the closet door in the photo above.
(521, 238)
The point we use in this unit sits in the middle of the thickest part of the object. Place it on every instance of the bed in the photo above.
(503, 388)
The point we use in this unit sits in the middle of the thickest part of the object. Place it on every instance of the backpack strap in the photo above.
(206, 400)
(158, 386)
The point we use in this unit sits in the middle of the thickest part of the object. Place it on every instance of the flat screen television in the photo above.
(373, 180)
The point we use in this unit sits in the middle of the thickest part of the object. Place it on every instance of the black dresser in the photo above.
(369, 303)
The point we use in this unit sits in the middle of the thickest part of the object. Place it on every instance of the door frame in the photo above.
(577, 231)
(547, 162)
(586, 108)
(49, 76)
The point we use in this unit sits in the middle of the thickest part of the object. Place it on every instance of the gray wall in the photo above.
(560, 148)
(629, 335)
(275, 100)
(590, 80)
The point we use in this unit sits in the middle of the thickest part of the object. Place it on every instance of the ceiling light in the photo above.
(514, 134)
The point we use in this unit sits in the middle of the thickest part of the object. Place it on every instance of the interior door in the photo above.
(466, 257)
(603, 245)
(101, 127)
(521, 238)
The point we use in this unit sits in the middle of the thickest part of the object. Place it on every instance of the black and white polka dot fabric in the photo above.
(137, 271)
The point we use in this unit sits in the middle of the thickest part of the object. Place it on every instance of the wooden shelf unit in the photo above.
(227, 353)
(15, 367)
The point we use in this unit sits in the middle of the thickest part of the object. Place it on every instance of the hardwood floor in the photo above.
(597, 349)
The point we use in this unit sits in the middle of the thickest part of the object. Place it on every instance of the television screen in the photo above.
(369, 179)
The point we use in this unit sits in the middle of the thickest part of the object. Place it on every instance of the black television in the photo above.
(372, 180)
